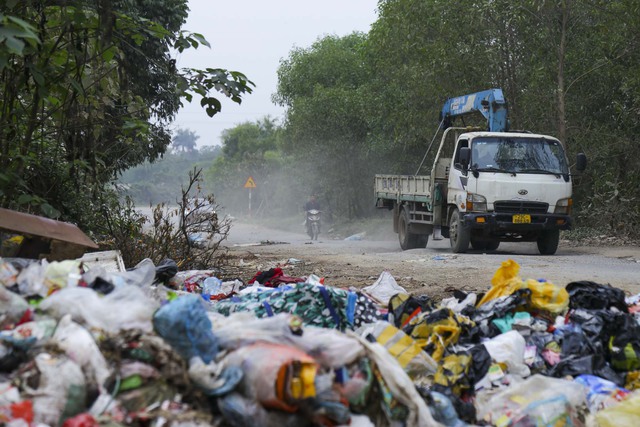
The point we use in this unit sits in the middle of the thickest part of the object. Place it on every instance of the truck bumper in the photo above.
(498, 223)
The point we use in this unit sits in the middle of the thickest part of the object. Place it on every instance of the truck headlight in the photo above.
(563, 206)
(476, 203)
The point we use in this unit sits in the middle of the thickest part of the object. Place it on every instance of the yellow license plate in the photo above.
(522, 219)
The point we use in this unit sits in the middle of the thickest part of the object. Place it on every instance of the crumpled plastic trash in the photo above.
(12, 308)
(508, 349)
(60, 391)
(278, 376)
(407, 352)
(537, 401)
(127, 307)
(624, 414)
(79, 345)
(602, 393)
(184, 324)
(384, 288)
(544, 295)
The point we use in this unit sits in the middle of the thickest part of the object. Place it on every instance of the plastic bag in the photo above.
(602, 393)
(277, 376)
(401, 346)
(79, 345)
(165, 270)
(593, 296)
(384, 288)
(60, 392)
(127, 307)
(508, 349)
(398, 384)
(31, 279)
(538, 401)
(12, 308)
(142, 275)
(544, 295)
(184, 324)
(624, 414)
(329, 347)
(239, 411)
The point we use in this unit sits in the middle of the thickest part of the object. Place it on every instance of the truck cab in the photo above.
(507, 186)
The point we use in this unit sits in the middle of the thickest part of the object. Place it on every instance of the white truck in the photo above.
(485, 187)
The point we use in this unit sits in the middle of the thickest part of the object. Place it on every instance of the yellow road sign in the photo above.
(250, 183)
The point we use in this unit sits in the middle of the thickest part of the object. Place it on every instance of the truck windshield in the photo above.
(518, 154)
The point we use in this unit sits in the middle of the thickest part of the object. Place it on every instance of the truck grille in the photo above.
(517, 206)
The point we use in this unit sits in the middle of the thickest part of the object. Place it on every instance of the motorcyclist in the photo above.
(311, 204)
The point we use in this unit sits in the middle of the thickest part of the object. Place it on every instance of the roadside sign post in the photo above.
(250, 184)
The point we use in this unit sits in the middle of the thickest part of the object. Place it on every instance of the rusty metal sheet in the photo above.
(20, 222)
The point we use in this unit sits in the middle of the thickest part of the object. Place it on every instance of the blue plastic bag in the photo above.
(184, 324)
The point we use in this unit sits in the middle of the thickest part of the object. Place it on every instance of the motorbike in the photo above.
(313, 223)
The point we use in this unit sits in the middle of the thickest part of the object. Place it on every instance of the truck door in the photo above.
(458, 177)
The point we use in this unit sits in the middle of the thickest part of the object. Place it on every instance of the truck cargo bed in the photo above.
(415, 188)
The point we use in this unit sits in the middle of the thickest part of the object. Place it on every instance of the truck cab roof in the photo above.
(503, 134)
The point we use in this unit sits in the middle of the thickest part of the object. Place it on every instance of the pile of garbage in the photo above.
(155, 346)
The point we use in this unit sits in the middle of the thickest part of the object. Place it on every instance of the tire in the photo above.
(492, 245)
(409, 240)
(485, 245)
(315, 230)
(458, 235)
(548, 242)
(479, 245)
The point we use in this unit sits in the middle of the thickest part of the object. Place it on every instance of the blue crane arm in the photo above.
(490, 103)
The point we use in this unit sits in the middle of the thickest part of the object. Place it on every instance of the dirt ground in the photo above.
(358, 260)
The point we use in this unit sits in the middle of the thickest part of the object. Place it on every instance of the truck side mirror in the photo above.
(465, 156)
(581, 162)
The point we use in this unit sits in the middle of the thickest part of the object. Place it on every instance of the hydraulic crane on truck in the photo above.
(490, 103)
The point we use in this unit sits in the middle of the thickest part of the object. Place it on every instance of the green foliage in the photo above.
(326, 126)
(161, 181)
(251, 150)
(170, 235)
(568, 69)
(89, 89)
(185, 140)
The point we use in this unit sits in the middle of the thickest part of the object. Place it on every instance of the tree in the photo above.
(250, 149)
(185, 140)
(95, 96)
(326, 127)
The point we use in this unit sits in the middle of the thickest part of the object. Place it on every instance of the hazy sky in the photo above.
(252, 36)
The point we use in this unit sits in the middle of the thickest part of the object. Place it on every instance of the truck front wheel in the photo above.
(548, 242)
(409, 240)
(459, 236)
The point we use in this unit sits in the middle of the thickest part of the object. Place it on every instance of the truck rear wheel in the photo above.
(459, 236)
(409, 240)
(548, 242)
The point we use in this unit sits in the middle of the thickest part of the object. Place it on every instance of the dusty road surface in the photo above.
(434, 271)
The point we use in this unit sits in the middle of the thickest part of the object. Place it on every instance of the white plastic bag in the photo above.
(127, 307)
(79, 345)
(61, 388)
(508, 348)
(12, 307)
(384, 288)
